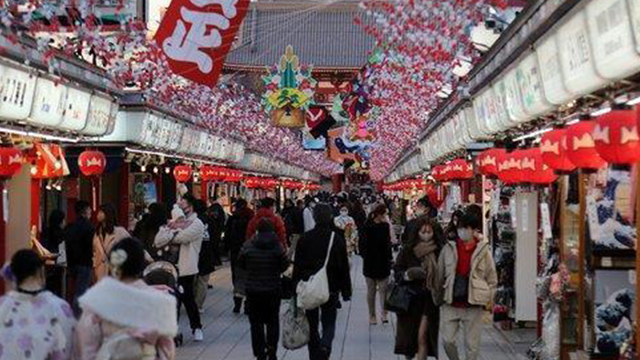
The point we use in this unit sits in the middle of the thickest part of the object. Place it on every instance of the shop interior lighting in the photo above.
(533, 134)
(38, 135)
(155, 170)
(601, 111)
(167, 170)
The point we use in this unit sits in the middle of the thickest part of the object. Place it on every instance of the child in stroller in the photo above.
(164, 276)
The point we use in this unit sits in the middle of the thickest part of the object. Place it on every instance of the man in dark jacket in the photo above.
(79, 247)
(309, 259)
(235, 236)
(265, 260)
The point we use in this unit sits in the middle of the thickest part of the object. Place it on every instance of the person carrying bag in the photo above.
(314, 292)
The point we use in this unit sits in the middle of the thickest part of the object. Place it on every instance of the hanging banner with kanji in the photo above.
(196, 36)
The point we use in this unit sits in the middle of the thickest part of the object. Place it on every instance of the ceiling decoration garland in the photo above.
(420, 42)
(134, 62)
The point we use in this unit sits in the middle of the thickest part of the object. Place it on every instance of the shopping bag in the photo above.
(295, 327)
(314, 292)
(398, 297)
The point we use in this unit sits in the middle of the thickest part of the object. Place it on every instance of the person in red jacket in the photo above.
(267, 209)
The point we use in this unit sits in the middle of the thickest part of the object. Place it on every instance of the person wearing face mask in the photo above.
(467, 276)
(346, 225)
(377, 254)
(187, 231)
(422, 209)
(416, 265)
(36, 324)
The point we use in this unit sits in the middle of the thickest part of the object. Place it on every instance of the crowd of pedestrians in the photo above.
(126, 290)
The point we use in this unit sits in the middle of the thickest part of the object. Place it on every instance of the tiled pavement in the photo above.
(227, 335)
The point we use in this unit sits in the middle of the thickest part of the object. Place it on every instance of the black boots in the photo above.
(237, 304)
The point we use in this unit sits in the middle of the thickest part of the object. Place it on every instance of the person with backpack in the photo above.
(123, 318)
(186, 231)
(37, 325)
(235, 236)
(311, 254)
(265, 260)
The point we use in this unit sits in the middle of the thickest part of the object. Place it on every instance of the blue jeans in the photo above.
(81, 276)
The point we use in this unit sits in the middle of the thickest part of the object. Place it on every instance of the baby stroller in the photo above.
(165, 273)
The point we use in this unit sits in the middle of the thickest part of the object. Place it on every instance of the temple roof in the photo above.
(322, 35)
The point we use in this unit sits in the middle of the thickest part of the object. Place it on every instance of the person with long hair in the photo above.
(147, 228)
(37, 325)
(107, 234)
(123, 316)
(235, 236)
(416, 266)
(54, 241)
(377, 254)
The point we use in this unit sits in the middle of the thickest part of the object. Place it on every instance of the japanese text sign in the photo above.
(196, 36)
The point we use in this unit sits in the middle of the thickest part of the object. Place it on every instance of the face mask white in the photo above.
(426, 236)
(465, 234)
(344, 213)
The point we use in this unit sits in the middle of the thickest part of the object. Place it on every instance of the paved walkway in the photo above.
(227, 334)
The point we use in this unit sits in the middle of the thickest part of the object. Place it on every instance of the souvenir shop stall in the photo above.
(558, 109)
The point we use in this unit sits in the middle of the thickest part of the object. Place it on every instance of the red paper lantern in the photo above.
(509, 168)
(92, 163)
(616, 137)
(581, 149)
(182, 173)
(553, 147)
(436, 172)
(11, 160)
(488, 161)
(210, 173)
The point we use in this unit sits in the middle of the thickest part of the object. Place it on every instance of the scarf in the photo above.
(425, 251)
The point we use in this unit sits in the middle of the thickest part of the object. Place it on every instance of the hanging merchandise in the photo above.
(196, 36)
(49, 162)
(92, 163)
(182, 173)
(11, 160)
(289, 91)
(553, 147)
(581, 148)
(616, 137)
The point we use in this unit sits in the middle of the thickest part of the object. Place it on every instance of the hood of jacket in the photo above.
(266, 241)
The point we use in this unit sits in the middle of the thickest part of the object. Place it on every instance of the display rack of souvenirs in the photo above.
(504, 237)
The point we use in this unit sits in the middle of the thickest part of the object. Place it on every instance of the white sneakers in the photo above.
(198, 335)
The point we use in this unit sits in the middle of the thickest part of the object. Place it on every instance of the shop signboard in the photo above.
(634, 15)
(611, 38)
(99, 116)
(491, 115)
(48, 103)
(150, 130)
(515, 107)
(16, 93)
(175, 135)
(470, 120)
(528, 75)
(551, 72)
(238, 152)
(480, 112)
(189, 142)
(500, 107)
(76, 109)
(578, 67)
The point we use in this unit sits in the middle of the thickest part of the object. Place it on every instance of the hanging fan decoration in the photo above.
(289, 90)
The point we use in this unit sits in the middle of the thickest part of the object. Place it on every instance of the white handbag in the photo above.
(314, 292)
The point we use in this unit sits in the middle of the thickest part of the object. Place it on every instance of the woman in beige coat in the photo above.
(108, 233)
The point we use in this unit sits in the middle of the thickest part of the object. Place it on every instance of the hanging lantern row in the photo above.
(458, 169)
(260, 183)
(220, 174)
(408, 184)
(293, 185)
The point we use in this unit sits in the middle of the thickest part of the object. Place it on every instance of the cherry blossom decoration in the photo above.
(422, 42)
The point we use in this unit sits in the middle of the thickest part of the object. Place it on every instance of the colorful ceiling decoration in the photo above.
(420, 42)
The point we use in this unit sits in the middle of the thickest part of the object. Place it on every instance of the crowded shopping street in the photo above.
(319, 179)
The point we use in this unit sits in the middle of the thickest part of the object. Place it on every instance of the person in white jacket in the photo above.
(187, 231)
(307, 215)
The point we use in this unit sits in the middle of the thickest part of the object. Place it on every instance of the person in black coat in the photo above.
(377, 254)
(264, 260)
(417, 331)
(423, 208)
(235, 236)
(79, 248)
(310, 256)
(53, 237)
(147, 228)
(359, 215)
(218, 219)
(206, 261)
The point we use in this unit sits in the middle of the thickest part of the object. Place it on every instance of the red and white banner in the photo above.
(196, 36)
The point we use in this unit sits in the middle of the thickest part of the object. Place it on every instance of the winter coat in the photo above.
(190, 240)
(308, 220)
(236, 230)
(79, 243)
(483, 278)
(112, 307)
(264, 260)
(311, 253)
(276, 221)
(206, 262)
(293, 220)
(35, 327)
(102, 245)
(376, 251)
